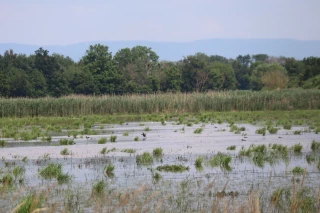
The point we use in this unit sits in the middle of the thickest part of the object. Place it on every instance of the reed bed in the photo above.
(289, 99)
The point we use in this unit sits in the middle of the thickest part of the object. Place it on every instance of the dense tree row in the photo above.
(138, 70)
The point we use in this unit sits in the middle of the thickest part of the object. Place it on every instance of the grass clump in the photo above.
(145, 158)
(272, 130)
(126, 134)
(222, 160)
(109, 169)
(287, 126)
(24, 159)
(157, 176)
(3, 143)
(98, 188)
(298, 170)
(157, 152)
(136, 138)
(113, 138)
(315, 146)
(261, 131)
(297, 132)
(198, 162)
(129, 150)
(172, 168)
(52, 170)
(18, 171)
(103, 150)
(297, 148)
(233, 147)
(64, 142)
(7, 179)
(147, 129)
(102, 141)
(198, 131)
(65, 151)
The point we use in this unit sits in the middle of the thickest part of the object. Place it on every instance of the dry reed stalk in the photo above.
(303, 177)
(256, 208)
(18, 207)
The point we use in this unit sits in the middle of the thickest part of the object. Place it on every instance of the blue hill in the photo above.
(175, 51)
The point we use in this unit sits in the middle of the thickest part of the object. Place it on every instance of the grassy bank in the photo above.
(296, 99)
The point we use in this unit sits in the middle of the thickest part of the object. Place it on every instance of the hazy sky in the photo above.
(44, 22)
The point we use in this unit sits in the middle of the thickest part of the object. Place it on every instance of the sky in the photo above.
(62, 22)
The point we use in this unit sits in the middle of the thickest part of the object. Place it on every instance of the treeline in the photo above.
(138, 70)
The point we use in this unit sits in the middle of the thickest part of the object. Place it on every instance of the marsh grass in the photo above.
(145, 158)
(109, 169)
(103, 150)
(113, 138)
(65, 151)
(102, 140)
(52, 170)
(136, 138)
(298, 170)
(198, 131)
(198, 162)
(98, 188)
(18, 171)
(64, 142)
(24, 159)
(297, 148)
(172, 168)
(3, 143)
(315, 146)
(129, 151)
(222, 160)
(272, 130)
(157, 152)
(233, 147)
(297, 132)
(147, 129)
(126, 134)
(261, 131)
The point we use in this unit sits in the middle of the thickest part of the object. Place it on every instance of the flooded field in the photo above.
(189, 167)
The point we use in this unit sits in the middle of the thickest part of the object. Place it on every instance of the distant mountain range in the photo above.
(174, 51)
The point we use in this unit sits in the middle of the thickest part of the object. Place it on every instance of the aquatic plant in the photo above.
(173, 168)
(113, 138)
(145, 158)
(198, 131)
(102, 140)
(157, 152)
(233, 147)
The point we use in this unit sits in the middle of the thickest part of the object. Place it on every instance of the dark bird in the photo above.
(243, 140)
(87, 137)
(144, 134)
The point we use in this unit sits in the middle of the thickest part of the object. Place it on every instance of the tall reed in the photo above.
(288, 99)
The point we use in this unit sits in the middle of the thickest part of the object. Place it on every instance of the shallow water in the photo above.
(86, 164)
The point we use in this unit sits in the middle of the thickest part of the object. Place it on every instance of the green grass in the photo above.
(297, 148)
(272, 130)
(233, 147)
(98, 188)
(126, 134)
(198, 131)
(172, 168)
(136, 138)
(52, 170)
(298, 170)
(222, 160)
(109, 169)
(64, 142)
(261, 131)
(147, 129)
(129, 150)
(113, 138)
(102, 140)
(297, 132)
(145, 158)
(157, 152)
(65, 151)
(198, 162)
(315, 146)
(3, 143)
(18, 171)
(103, 150)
